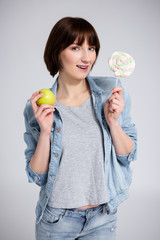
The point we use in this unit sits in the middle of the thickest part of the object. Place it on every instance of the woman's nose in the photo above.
(85, 56)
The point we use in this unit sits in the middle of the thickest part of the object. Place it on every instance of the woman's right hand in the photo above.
(43, 114)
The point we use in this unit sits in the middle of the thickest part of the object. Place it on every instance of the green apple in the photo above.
(47, 98)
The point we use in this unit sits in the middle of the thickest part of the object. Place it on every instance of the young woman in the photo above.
(79, 150)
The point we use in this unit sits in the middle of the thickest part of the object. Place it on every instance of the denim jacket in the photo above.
(118, 174)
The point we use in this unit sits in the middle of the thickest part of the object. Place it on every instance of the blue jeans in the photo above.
(71, 224)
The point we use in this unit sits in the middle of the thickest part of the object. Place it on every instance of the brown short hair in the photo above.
(64, 33)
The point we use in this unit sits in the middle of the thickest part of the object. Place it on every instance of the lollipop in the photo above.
(122, 64)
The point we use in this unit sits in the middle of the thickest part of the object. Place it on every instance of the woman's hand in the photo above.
(114, 106)
(43, 114)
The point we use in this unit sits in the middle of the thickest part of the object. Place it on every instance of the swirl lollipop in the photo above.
(122, 64)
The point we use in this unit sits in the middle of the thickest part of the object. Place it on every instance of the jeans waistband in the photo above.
(80, 212)
(90, 211)
(103, 207)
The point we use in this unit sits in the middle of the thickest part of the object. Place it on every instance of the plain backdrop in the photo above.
(129, 26)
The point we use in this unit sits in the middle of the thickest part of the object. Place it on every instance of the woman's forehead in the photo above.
(81, 40)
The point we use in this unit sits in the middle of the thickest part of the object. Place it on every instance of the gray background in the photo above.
(129, 26)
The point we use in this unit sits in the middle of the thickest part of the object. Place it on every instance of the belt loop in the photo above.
(104, 208)
(107, 208)
(66, 212)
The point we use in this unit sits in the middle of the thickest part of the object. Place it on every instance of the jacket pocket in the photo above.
(35, 129)
(35, 132)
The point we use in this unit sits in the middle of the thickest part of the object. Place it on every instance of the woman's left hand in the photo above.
(114, 105)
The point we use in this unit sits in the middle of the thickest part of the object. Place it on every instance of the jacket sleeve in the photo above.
(39, 179)
(128, 127)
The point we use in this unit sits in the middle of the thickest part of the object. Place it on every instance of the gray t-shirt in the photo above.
(80, 179)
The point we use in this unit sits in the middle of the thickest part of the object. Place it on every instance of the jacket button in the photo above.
(59, 129)
(53, 177)
(56, 154)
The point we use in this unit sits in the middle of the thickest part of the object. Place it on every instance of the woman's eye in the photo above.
(92, 48)
(75, 48)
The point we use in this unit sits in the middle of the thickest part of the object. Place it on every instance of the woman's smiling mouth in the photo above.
(83, 67)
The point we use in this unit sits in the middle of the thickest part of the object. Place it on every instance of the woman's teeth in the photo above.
(82, 67)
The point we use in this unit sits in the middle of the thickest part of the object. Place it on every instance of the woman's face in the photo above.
(77, 60)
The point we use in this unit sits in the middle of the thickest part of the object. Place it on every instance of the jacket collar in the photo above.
(98, 85)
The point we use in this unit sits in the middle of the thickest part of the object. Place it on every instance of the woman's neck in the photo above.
(70, 88)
